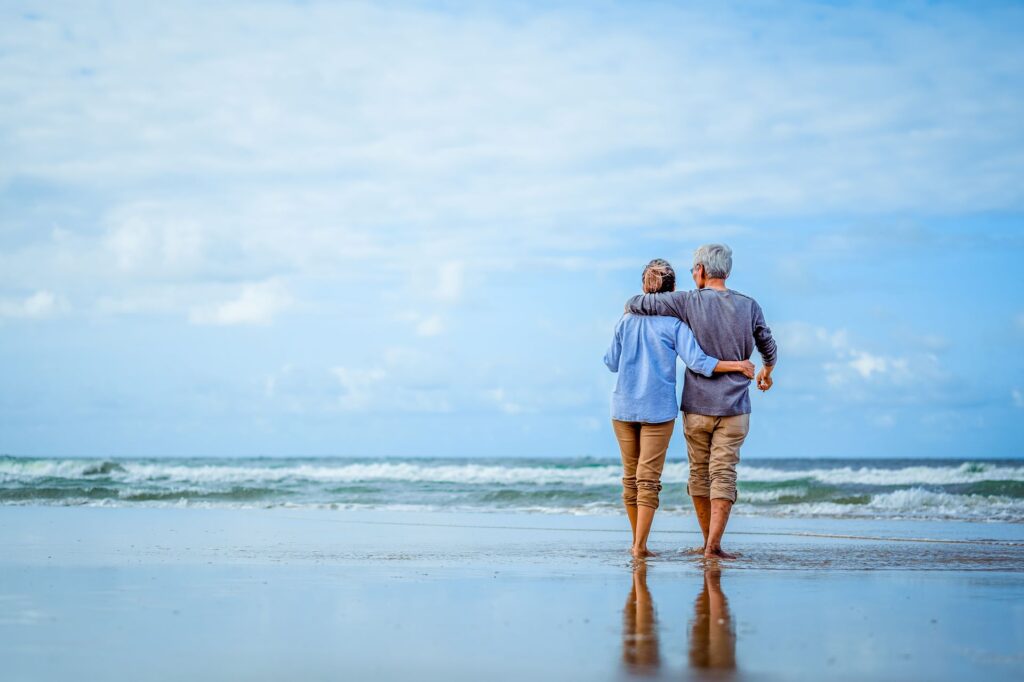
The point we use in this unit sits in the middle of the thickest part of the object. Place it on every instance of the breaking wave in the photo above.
(926, 489)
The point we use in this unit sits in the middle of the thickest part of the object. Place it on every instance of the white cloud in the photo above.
(868, 365)
(269, 386)
(142, 237)
(808, 340)
(517, 397)
(432, 288)
(935, 343)
(167, 300)
(36, 306)
(381, 388)
(423, 325)
(1018, 397)
(430, 326)
(449, 281)
(500, 397)
(854, 366)
(884, 421)
(308, 137)
(402, 379)
(361, 151)
(358, 386)
(257, 303)
(854, 372)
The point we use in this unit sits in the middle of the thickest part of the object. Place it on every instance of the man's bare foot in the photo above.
(642, 552)
(718, 553)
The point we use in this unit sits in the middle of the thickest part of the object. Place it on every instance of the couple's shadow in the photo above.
(712, 635)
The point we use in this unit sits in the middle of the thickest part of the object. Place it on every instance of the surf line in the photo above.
(833, 536)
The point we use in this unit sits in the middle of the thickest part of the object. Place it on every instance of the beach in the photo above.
(171, 593)
(345, 341)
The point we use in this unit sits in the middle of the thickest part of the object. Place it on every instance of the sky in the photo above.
(408, 228)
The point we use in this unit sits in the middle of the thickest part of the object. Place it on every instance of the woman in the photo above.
(644, 403)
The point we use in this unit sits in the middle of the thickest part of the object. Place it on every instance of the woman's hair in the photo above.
(659, 277)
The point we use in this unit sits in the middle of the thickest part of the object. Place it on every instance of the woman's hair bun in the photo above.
(659, 277)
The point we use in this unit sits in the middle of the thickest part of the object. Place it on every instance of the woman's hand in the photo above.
(746, 367)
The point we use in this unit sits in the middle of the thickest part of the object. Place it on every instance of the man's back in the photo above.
(728, 325)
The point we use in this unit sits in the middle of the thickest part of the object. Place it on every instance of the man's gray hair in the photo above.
(716, 259)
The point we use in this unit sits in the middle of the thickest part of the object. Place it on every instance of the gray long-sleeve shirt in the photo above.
(728, 325)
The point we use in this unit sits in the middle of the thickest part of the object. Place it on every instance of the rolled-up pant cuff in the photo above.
(647, 494)
(712, 491)
(642, 493)
(629, 492)
(723, 494)
(698, 489)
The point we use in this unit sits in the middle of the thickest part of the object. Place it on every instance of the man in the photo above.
(716, 409)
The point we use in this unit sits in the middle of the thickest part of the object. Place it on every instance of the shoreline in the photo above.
(600, 531)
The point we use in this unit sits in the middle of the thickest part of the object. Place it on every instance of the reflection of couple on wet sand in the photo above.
(659, 326)
(712, 637)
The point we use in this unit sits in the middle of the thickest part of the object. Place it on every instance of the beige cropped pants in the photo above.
(643, 448)
(713, 446)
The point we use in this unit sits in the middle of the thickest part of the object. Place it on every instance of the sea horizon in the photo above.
(475, 458)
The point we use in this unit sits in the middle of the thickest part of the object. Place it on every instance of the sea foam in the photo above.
(858, 488)
(470, 473)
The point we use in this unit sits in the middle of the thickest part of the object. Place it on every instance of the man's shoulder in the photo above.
(740, 294)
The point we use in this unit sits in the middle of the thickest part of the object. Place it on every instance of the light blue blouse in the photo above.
(644, 352)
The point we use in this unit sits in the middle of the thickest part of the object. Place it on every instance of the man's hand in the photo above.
(747, 368)
(764, 378)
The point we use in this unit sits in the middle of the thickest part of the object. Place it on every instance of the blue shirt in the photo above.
(644, 353)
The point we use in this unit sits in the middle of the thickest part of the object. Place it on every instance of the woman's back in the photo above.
(643, 353)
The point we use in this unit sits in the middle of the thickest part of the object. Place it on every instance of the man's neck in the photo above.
(717, 284)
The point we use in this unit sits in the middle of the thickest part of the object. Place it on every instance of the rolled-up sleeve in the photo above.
(611, 356)
(763, 338)
(691, 353)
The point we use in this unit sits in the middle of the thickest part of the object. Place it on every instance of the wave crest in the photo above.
(480, 474)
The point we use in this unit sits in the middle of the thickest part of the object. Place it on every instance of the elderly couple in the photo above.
(657, 327)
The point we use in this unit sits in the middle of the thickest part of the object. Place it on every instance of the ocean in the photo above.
(968, 490)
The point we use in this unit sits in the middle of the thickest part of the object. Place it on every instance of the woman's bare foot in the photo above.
(642, 552)
(718, 553)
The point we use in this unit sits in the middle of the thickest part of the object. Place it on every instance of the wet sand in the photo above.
(153, 594)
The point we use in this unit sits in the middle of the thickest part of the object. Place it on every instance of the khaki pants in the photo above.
(713, 446)
(643, 449)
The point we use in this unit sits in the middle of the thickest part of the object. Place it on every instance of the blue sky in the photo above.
(408, 228)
